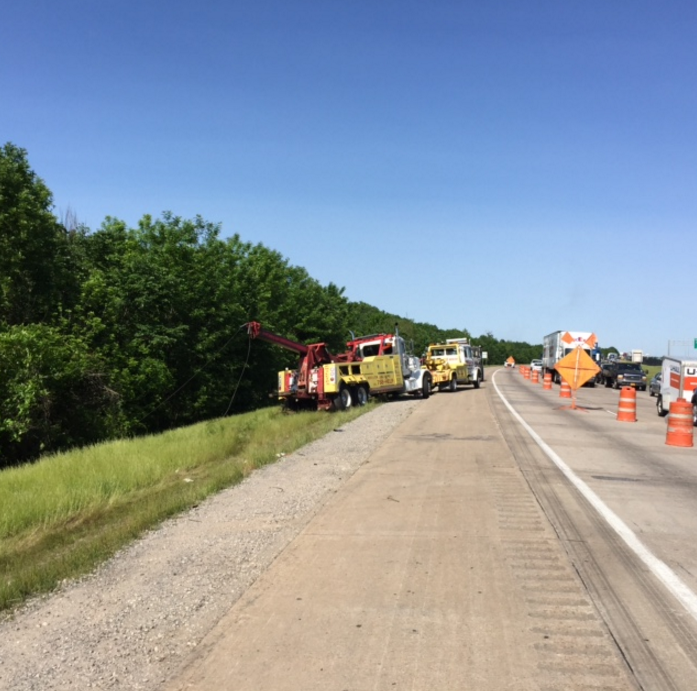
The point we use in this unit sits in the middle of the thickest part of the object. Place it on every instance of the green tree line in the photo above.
(123, 331)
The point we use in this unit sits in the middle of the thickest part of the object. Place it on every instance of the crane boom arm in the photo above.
(255, 331)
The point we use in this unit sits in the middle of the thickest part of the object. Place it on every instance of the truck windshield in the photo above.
(443, 352)
(370, 349)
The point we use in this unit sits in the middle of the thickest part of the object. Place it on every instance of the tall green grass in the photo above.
(65, 514)
(651, 370)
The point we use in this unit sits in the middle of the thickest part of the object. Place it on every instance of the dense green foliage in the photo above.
(123, 331)
(499, 350)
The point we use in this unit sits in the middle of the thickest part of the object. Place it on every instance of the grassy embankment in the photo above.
(651, 370)
(65, 514)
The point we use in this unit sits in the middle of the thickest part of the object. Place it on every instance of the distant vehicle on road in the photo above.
(655, 385)
(536, 365)
(679, 381)
(618, 374)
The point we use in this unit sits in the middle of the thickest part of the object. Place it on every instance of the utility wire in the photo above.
(198, 371)
(244, 367)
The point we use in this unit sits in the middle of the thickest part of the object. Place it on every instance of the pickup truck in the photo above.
(617, 374)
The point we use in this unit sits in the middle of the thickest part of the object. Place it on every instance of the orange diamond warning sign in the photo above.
(577, 368)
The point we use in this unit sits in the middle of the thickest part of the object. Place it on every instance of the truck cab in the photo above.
(447, 364)
(472, 356)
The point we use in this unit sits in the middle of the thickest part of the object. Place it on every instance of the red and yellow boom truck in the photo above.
(372, 365)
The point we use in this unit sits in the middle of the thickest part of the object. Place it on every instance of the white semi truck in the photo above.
(559, 344)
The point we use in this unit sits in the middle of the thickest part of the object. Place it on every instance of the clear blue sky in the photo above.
(516, 167)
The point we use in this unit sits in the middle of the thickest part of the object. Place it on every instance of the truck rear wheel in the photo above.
(426, 387)
(343, 399)
(360, 396)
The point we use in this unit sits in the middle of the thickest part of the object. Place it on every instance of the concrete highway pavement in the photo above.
(650, 485)
(460, 557)
(647, 489)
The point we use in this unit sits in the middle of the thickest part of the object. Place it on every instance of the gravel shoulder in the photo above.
(133, 622)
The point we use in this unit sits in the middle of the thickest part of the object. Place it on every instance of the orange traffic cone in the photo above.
(626, 412)
(680, 424)
(535, 376)
(565, 391)
(547, 384)
(526, 372)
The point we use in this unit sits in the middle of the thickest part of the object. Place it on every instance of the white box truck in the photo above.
(559, 344)
(678, 380)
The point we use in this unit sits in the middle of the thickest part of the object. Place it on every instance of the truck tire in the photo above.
(662, 412)
(343, 400)
(477, 382)
(426, 387)
(453, 384)
(361, 396)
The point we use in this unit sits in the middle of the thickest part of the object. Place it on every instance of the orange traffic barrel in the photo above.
(626, 412)
(680, 424)
(565, 391)
(547, 383)
(526, 372)
(535, 376)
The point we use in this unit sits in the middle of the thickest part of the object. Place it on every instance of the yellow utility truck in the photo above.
(448, 366)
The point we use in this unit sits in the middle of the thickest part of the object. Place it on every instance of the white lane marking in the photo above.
(659, 569)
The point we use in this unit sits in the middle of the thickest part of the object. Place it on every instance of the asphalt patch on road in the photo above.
(450, 437)
(616, 479)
